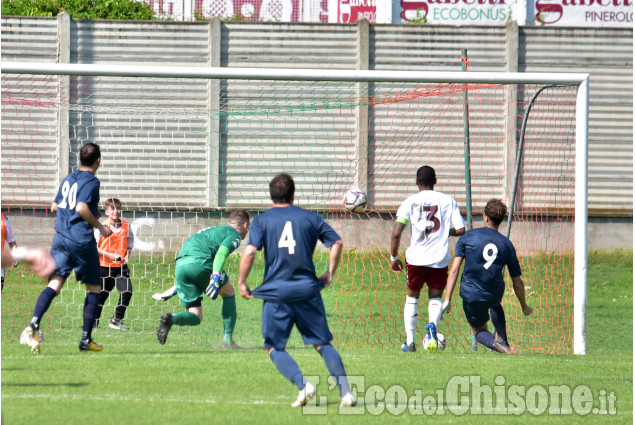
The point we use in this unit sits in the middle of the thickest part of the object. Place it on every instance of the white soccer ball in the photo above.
(355, 201)
(440, 339)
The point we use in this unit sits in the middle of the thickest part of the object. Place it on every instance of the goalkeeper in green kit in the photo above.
(199, 271)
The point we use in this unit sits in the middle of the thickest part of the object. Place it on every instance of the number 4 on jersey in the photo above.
(286, 239)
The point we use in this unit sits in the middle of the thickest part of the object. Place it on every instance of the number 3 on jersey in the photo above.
(69, 193)
(286, 239)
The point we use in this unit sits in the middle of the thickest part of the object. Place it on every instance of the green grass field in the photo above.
(189, 380)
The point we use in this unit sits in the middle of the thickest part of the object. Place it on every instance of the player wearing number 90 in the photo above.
(486, 253)
(291, 289)
(74, 247)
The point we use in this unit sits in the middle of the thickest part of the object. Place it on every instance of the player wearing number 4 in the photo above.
(74, 247)
(291, 289)
(199, 270)
(430, 214)
(486, 253)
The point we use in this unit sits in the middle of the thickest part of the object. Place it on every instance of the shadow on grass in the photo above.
(38, 384)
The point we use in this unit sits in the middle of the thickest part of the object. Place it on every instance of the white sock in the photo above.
(410, 315)
(435, 308)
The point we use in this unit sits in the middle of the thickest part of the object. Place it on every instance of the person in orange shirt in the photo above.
(114, 252)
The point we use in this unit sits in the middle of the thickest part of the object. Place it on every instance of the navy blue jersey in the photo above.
(79, 186)
(289, 236)
(486, 254)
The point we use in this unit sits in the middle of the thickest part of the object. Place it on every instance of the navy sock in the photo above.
(91, 308)
(499, 322)
(486, 338)
(288, 367)
(334, 365)
(42, 304)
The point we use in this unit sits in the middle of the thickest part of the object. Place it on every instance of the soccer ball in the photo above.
(355, 201)
(440, 339)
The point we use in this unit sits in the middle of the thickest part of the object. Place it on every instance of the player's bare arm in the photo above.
(13, 245)
(85, 213)
(37, 258)
(107, 254)
(53, 208)
(457, 232)
(125, 259)
(453, 275)
(395, 240)
(519, 290)
(246, 264)
(334, 260)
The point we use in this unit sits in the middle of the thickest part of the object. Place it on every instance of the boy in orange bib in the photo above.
(114, 252)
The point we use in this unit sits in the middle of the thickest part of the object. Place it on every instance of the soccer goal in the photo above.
(183, 146)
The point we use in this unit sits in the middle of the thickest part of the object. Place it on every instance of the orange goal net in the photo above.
(181, 153)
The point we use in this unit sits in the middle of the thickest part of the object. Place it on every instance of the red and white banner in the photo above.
(583, 13)
(351, 11)
(457, 12)
(244, 10)
(572, 13)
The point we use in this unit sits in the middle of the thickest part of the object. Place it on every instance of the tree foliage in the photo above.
(79, 9)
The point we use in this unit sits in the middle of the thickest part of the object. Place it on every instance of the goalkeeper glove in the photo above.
(213, 289)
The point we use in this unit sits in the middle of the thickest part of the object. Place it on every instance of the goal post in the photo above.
(182, 151)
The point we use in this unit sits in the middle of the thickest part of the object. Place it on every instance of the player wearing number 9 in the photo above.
(486, 253)
(74, 247)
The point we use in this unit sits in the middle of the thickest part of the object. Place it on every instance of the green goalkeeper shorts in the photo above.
(192, 276)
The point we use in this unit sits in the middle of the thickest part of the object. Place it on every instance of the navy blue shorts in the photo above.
(309, 316)
(477, 313)
(69, 255)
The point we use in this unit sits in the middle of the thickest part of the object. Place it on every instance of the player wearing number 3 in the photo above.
(430, 214)
(74, 247)
(486, 253)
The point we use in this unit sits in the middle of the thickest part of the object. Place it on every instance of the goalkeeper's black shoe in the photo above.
(164, 327)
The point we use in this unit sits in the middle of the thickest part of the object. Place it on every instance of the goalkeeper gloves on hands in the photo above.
(213, 289)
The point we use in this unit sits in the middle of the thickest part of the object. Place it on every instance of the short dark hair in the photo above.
(426, 176)
(496, 211)
(112, 202)
(281, 189)
(238, 217)
(89, 154)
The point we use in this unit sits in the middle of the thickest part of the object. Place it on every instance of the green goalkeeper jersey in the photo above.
(210, 243)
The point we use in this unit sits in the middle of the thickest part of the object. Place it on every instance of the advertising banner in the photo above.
(243, 10)
(582, 13)
(457, 12)
(350, 11)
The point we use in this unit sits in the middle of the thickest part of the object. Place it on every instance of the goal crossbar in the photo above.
(290, 74)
